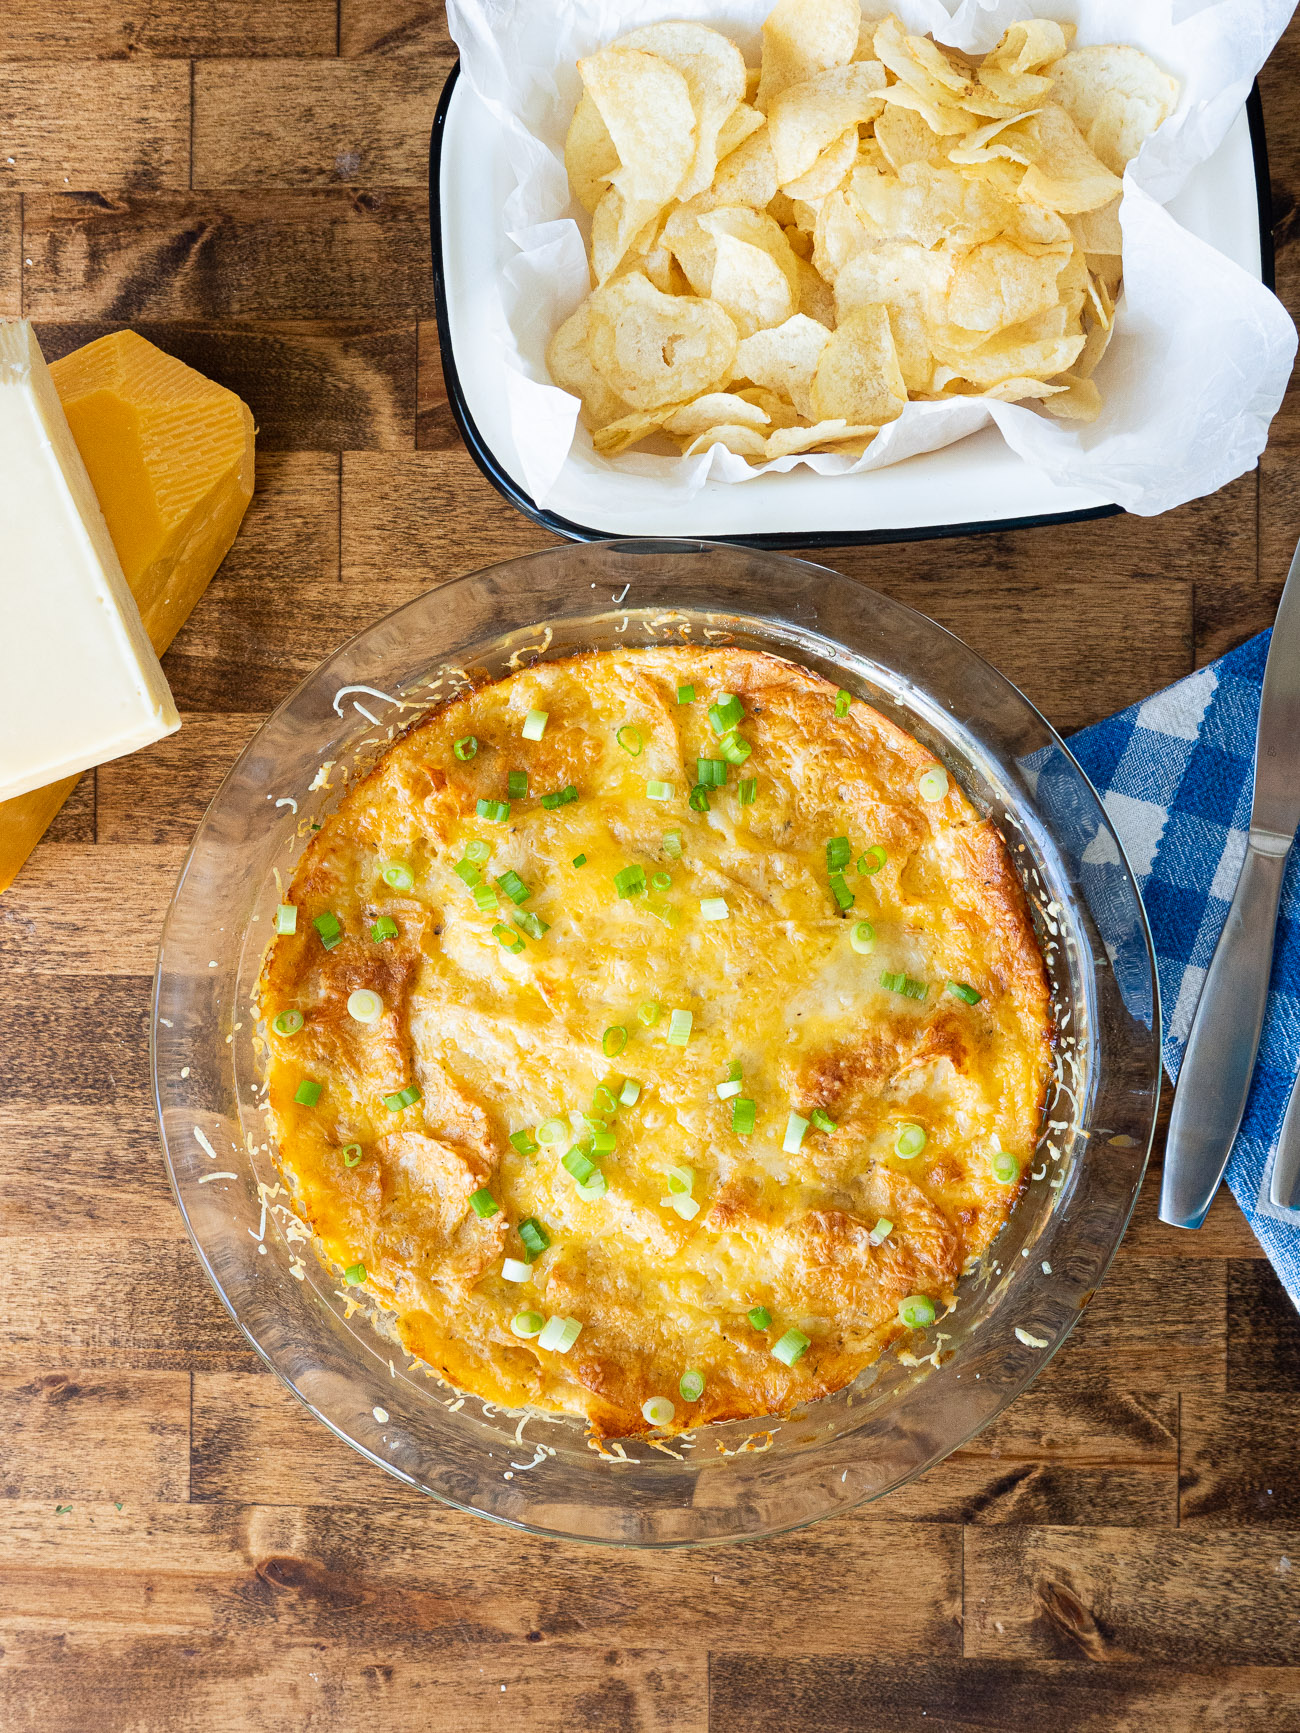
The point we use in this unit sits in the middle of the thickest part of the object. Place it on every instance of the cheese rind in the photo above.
(80, 682)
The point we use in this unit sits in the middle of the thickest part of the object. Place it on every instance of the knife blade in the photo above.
(1285, 1183)
(1219, 1060)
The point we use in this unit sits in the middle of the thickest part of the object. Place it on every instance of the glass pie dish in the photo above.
(740, 1478)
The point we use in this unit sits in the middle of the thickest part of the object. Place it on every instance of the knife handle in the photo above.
(1219, 1061)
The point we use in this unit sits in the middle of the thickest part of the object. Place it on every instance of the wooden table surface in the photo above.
(181, 1547)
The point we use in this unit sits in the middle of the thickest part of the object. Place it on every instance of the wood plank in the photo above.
(1263, 1330)
(1189, 1597)
(1238, 1461)
(416, 27)
(435, 425)
(312, 386)
(11, 255)
(325, 254)
(75, 819)
(81, 1167)
(94, 123)
(99, 1025)
(108, 30)
(157, 798)
(1155, 1324)
(412, 1581)
(1225, 1233)
(66, 1687)
(1096, 1456)
(96, 911)
(95, 1435)
(762, 1693)
(1279, 488)
(110, 1299)
(286, 123)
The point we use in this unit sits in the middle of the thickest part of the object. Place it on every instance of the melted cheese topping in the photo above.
(498, 1040)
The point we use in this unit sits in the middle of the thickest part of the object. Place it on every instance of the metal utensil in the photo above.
(1285, 1183)
(1220, 1057)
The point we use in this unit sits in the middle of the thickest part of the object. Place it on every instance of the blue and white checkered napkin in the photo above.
(1175, 774)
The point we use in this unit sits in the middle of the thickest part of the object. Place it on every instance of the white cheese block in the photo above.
(79, 681)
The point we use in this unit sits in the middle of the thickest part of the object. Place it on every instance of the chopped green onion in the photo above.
(679, 1027)
(515, 1270)
(760, 1317)
(507, 938)
(673, 844)
(681, 1180)
(891, 982)
(791, 1346)
(746, 789)
(743, 1115)
(535, 1237)
(686, 694)
(524, 1142)
(960, 990)
(579, 860)
(881, 1232)
(839, 852)
(873, 860)
(629, 881)
(355, 1275)
(910, 1141)
(629, 739)
(630, 1093)
(496, 811)
(726, 1090)
(364, 1006)
(465, 747)
(288, 1022)
(552, 1131)
(843, 698)
(351, 1154)
(821, 1119)
(735, 1071)
(467, 873)
(1006, 1169)
(840, 891)
(404, 1098)
(916, 1311)
(661, 881)
(527, 1323)
(484, 1204)
(656, 790)
(535, 724)
(559, 1335)
(863, 938)
(735, 749)
(477, 850)
(726, 713)
(691, 1386)
(307, 1094)
(513, 886)
(327, 925)
(904, 984)
(934, 784)
(397, 875)
(685, 1205)
(658, 1410)
(613, 1041)
(714, 909)
(533, 925)
(286, 918)
(711, 772)
(649, 1013)
(517, 784)
(698, 799)
(486, 898)
(604, 1097)
(384, 928)
(559, 797)
(795, 1127)
(596, 1188)
(579, 1165)
(603, 1141)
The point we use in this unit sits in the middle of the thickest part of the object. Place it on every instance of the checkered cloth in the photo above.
(1175, 774)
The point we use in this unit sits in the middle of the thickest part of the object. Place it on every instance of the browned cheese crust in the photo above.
(501, 1041)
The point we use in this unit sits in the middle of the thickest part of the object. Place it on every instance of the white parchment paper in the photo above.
(1201, 353)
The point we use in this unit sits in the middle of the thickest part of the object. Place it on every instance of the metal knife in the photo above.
(1285, 1182)
(1219, 1060)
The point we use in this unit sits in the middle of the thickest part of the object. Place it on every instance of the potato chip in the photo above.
(816, 297)
(940, 117)
(743, 121)
(784, 359)
(830, 169)
(589, 154)
(714, 70)
(756, 229)
(801, 242)
(616, 225)
(629, 430)
(802, 37)
(1081, 401)
(1035, 229)
(805, 118)
(569, 363)
(1026, 47)
(1013, 354)
(919, 62)
(1003, 95)
(646, 107)
(930, 204)
(804, 212)
(904, 137)
(1021, 390)
(1116, 96)
(789, 441)
(908, 280)
(779, 410)
(858, 375)
(747, 176)
(996, 284)
(1099, 231)
(744, 441)
(692, 246)
(749, 284)
(1065, 175)
(655, 349)
(715, 409)
(842, 230)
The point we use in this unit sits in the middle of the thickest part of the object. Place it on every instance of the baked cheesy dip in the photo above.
(655, 1036)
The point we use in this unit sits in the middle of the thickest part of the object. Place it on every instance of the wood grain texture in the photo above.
(1263, 1330)
(89, 1167)
(109, 30)
(1238, 1461)
(87, 123)
(414, 27)
(159, 799)
(95, 1435)
(11, 255)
